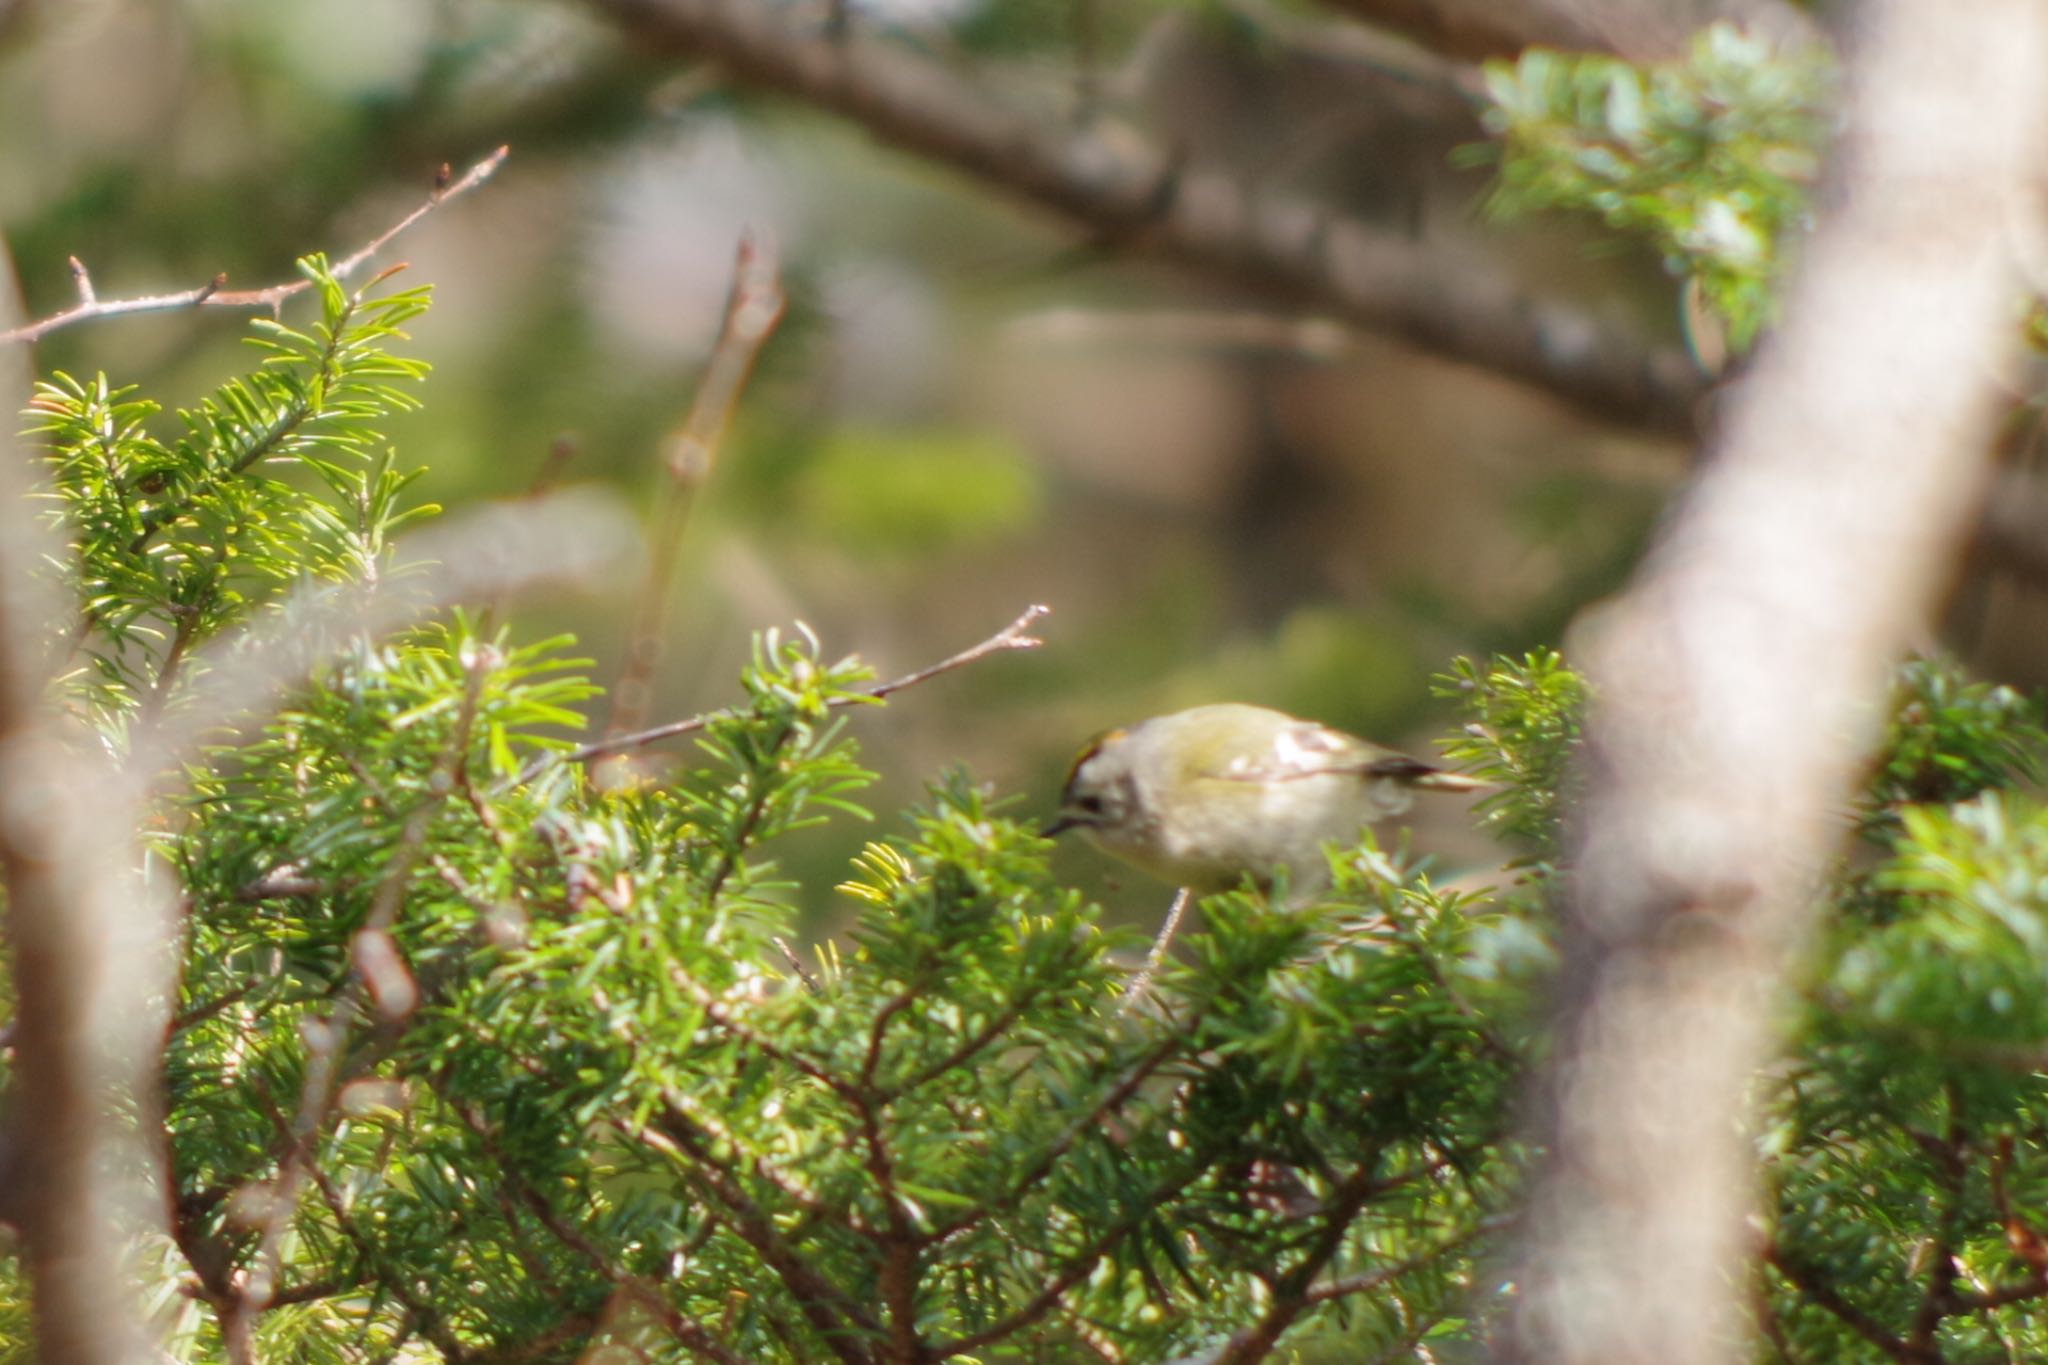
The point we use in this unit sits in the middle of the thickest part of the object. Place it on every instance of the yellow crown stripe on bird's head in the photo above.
(1094, 747)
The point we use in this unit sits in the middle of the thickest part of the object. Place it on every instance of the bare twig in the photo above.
(1013, 636)
(751, 314)
(796, 964)
(213, 294)
(1156, 958)
(1016, 635)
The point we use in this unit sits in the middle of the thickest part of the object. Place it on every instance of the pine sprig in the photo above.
(176, 540)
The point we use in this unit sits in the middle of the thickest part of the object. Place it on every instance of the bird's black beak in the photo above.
(1059, 826)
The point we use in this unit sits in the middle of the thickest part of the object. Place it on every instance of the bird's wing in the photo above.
(1301, 750)
(1310, 750)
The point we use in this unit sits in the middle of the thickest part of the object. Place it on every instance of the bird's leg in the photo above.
(1153, 959)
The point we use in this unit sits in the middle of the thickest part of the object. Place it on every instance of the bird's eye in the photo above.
(1091, 804)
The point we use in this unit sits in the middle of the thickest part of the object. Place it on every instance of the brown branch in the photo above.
(387, 982)
(395, 1281)
(1110, 1100)
(1951, 1171)
(751, 313)
(1012, 636)
(1479, 29)
(1376, 1279)
(690, 1333)
(1475, 30)
(272, 297)
(1809, 1282)
(1078, 1267)
(892, 1007)
(1135, 195)
(1741, 681)
(1290, 1291)
(829, 1311)
(89, 954)
(970, 1047)
(296, 1159)
(679, 1110)
(715, 1011)
(1294, 1292)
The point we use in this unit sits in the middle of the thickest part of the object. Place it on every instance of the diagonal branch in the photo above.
(1823, 1294)
(1479, 29)
(1013, 636)
(214, 294)
(1124, 190)
(751, 315)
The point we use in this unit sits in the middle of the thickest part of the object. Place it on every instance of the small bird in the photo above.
(1206, 797)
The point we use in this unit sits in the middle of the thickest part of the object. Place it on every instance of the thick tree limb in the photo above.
(84, 938)
(1741, 680)
(1111, 181)
(1478, 29)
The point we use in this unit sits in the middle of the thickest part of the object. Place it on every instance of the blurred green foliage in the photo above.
(1710, 160)
(913, 494)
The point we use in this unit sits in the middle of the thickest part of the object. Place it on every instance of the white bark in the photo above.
(1739, 682)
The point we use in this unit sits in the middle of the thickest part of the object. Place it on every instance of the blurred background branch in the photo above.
(1132, 194)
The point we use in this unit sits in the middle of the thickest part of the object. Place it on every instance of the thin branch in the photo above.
(212, 294)
(1139, 196)
(1387, 1274)
(395, 1281)
(387, 982)
(1012, 636)
(1078, 1267)
(678, 1109)
(829, 1311)
(324, 1040)
(715, 1011)
(971, 1047)
(796, 964)
(1291, 1290)
(1110, 1100)
(751, 314)
(690, 1333)
(1809, 1282)
(1156, 957)
(1951, 1171)
(892, 1007)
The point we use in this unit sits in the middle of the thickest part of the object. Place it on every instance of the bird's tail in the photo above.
(1414, 772)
